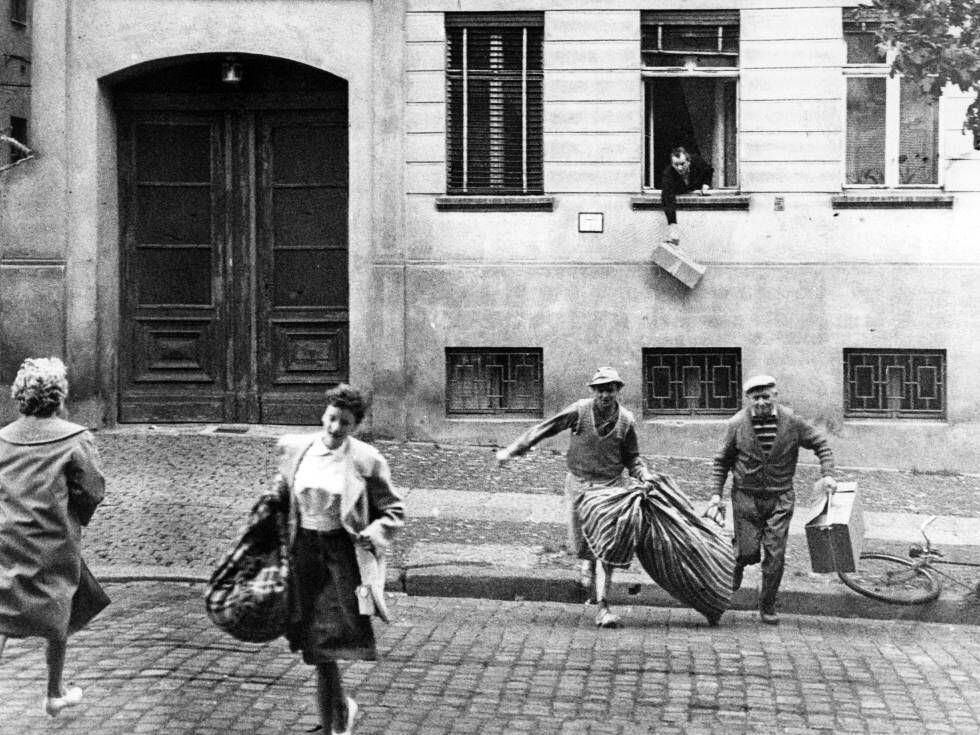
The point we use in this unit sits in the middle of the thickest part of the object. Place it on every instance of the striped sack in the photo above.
(613, 521)
(248, 596)
(689, 556)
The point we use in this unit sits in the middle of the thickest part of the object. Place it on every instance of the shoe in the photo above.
(351, 716)
(737, 578)
(606, 619)
(769, 617)
(54, 705)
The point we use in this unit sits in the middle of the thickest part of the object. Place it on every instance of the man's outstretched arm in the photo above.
(558, 423)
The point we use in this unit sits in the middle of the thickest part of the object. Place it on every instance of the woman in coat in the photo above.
(339, 494)
(50, 485)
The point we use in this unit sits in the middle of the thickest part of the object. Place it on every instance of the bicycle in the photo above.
(912, 581)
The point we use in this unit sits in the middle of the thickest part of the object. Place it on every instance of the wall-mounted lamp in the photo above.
(231, 70)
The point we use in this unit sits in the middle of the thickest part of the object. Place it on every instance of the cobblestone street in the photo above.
(152, 663)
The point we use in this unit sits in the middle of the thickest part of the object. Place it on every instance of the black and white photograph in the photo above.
(484, 367)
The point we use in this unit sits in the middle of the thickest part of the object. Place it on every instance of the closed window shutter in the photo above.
(494, 111)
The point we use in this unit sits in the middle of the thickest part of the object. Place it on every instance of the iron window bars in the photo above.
(494, 380)
(693, 381)
(895, 383)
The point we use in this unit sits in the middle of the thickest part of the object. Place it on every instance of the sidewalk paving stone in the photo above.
(177, 498)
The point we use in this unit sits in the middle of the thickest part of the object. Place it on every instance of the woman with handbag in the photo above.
(342, 510)
(50, 485)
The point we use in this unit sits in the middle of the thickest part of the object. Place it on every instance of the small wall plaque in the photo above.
(590, 221)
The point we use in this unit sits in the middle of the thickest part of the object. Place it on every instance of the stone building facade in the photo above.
(236, 203)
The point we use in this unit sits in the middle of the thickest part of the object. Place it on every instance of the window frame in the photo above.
(690, 411)
(893, 112)
(896, 413)
(19, 12)
(501, 412)
(495, 20)
(647, 73)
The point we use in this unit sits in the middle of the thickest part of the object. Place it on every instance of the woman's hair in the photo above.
(343, 396)
(41, 386)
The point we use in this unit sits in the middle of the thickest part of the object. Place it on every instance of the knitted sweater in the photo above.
(758, 472)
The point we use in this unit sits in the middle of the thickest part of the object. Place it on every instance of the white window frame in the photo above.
(689, 72)
(893, 92)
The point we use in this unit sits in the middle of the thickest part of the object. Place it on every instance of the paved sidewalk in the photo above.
(177, 497)
(152, 664)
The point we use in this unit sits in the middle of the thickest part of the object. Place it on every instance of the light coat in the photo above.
(369, 504)
(50, 485)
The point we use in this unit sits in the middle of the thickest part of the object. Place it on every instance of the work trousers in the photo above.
(762, 522)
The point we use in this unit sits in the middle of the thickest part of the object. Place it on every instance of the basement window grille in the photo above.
(494, 381)
(895, 383)
(692, 381)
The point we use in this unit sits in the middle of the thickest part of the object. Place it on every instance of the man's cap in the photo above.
(759, 381)
(606, 375)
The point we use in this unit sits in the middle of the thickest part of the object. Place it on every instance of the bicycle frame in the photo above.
(927, 556)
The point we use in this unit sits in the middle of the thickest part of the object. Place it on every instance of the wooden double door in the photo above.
(234, 260)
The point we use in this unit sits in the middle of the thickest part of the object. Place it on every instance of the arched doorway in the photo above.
(234, 234)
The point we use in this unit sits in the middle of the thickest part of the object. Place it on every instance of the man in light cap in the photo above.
(603, 444)
(761, 446)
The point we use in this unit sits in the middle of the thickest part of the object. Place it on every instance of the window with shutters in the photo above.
(494, 103)
(494, 380)
(690, 75)
(895, 383)
(692, 381)
(892, 125)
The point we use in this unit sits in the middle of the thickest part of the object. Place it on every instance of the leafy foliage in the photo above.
(935, 42)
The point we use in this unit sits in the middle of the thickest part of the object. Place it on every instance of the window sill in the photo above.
(693, 201)
(892, 421)
(495, 203)
(663, 420)
(492, 419)
(893, 199)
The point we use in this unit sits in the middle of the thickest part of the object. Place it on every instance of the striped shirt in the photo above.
(765, 429)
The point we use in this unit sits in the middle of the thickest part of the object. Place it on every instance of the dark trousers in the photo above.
(762, 523)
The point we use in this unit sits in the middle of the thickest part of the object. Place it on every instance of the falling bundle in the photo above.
(685, 554)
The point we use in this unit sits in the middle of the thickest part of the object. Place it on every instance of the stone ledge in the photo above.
(693, 201)
(892, 200)
(495, 203)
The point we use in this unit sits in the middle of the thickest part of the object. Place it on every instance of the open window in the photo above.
(690, 72)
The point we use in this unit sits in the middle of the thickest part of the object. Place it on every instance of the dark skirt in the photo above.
(325, 579)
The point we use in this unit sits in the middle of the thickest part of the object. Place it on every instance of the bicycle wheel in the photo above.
(892, 579)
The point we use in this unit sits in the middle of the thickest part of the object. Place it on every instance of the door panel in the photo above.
(303, 268)
(171, 358)
(234, 291)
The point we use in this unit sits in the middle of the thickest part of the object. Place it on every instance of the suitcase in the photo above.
(678, 263)
(835, 531)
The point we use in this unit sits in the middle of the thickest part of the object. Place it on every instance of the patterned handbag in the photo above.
(248, 595)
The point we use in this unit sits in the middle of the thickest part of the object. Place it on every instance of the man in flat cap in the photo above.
(603, 444)
(761, 446)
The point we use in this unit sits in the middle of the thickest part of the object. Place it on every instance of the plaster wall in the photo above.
(791, 281)
(64, 209)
